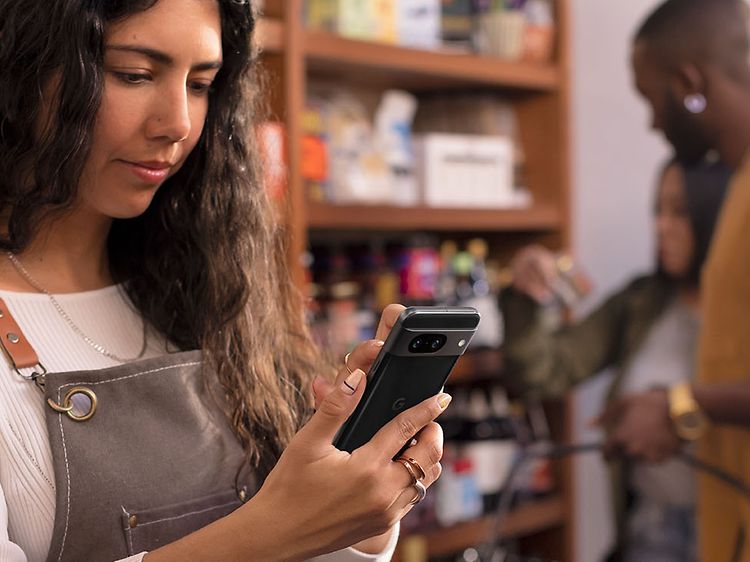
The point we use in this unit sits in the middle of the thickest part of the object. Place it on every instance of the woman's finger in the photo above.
(361, 357)
(427, 452)
(388, 320)
(391, 438)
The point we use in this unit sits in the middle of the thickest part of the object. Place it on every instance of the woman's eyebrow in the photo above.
(162, 57)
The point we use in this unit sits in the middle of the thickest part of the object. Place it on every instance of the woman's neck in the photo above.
(68, 256)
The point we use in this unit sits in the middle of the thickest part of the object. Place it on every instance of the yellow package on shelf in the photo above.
(370, 20)
(322, 14)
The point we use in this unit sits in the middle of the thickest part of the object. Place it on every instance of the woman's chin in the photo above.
(130, 208)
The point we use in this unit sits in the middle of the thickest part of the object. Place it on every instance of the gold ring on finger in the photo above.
(418, 470)
(346, 363)
(410, 469)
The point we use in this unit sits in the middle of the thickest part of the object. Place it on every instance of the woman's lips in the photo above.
(149, 172)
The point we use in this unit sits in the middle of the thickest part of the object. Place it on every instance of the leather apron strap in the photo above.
(17, 347)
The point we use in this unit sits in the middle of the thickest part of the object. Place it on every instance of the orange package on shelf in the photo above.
(314, 160)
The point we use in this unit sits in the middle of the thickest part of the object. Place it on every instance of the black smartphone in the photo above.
(413, 365)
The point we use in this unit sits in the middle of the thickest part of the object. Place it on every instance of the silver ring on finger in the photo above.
(421, 493)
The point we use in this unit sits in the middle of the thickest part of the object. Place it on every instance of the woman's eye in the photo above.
(132, 77)
(200, 87)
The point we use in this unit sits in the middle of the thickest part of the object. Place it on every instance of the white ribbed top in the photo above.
(27, 491)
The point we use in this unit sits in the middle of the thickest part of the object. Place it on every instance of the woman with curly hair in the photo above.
(157, 394)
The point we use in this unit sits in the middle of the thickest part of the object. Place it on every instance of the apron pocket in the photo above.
(149, 529)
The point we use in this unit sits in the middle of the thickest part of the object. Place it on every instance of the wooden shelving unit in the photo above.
(294, 56)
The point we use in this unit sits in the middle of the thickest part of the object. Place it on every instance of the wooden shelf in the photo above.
(326, 216)
(526, 520)
(269, 35)
(330, 55)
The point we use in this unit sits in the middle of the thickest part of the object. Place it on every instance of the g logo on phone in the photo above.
(398, 404)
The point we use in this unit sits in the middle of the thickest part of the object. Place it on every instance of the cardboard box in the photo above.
(465, 171)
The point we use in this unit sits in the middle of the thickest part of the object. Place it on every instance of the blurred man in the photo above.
(691, 60)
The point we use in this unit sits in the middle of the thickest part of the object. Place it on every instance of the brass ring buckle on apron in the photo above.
(69, 408)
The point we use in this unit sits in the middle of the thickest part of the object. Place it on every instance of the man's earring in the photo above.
(695, 103)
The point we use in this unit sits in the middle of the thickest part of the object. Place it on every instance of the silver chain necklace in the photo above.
(61, 311)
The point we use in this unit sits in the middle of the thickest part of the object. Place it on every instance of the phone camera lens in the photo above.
(427, 343)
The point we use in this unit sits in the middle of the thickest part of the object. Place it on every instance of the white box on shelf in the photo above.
(465, 171)
(418, 23)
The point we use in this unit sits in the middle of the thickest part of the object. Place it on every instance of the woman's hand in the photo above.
(534, 271)
(362, 357)
(355, 500)
(319, 499)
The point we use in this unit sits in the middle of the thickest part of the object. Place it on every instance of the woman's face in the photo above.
(158, 67)
(674, 232)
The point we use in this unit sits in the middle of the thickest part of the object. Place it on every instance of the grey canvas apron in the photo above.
(156, 461)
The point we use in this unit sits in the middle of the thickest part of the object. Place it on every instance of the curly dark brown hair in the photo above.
(206, 263)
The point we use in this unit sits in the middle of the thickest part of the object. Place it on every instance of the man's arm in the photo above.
(641, 426)
(725, 403)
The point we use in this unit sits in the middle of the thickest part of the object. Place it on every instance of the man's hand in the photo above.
(640, 427)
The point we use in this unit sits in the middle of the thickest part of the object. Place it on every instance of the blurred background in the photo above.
(423, 144)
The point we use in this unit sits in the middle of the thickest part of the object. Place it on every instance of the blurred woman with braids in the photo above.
(158, 385)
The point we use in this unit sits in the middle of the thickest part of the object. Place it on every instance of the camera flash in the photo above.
(461, 343)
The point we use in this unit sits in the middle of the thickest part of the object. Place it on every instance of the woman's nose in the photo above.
(171, 118)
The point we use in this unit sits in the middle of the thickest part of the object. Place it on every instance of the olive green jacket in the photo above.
(549, 364)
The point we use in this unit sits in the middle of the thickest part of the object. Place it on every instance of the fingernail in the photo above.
(352, 381)
(378, 343)
(443, 400)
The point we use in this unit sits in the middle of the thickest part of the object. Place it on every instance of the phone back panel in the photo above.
(401, 378)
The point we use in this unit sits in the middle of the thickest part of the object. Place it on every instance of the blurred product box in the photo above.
(539, 35)
(314, 153)
(457, 22)
(322, 14)
(372, 20)
(465, 171)
(418, 23)
(351, 157)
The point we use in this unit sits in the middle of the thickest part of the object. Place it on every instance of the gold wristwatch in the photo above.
(689, 421)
